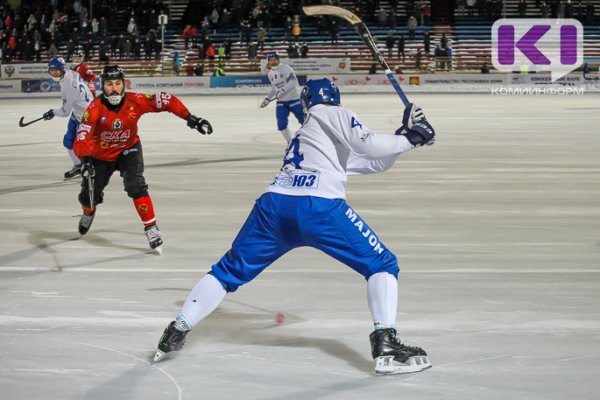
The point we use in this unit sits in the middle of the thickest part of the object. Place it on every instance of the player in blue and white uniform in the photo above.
(305, 206)
(76, 96)
(284, 88)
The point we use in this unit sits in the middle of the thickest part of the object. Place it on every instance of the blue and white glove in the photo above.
(415, 127)
(412, 114)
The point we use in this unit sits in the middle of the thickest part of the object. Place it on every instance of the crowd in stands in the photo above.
(583, 10)
(37, 25)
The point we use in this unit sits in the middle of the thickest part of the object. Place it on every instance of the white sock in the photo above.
(73, 157)
(382, 295)
(204, 298)
(287, 135)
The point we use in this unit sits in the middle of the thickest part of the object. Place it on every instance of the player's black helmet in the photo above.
(112, 72)
(319, 91)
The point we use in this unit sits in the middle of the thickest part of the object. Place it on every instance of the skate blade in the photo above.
(159, 356)
(158, 250)
(387, 366)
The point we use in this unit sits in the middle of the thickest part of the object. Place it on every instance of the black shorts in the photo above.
(130, 165)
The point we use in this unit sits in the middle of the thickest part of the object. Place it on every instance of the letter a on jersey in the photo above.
(354, 123)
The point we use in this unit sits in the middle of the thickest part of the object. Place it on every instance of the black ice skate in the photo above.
(86, 222)
(154, 238)
(393, 357)
(172, 339)
(73, 172)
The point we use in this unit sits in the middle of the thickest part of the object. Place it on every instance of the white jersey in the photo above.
(332, 144)
(284, 84)
(76, 95)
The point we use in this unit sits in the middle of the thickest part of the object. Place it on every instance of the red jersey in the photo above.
(87, 75)
(104, 132)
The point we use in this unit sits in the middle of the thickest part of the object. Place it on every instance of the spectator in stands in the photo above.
(132, 27)
(221, 53)
(187, 36)
(296, 31)
(227, 43)
(560, 13)
(189, 70)
(411, 25)
(288, 26)
(246, 31)
(545, 10)
(260, 37)
(443, 41)
(448, 58)
(103, 52)
(219, 71)
(373, 69)
(439, 55)
(333, 31)
(589, 12)
(158, 45)
(427, 43)
(136, 45)
(211, 53)
(419, 11)
(70, 49)
(176, 63)
(471, 7)
(214, 19)
(95, 28)
(401, 45)
(418, 59)
(485, 69)
(390, 40)
(199, 69)
(382, 17)
(304, 50)
(252, 52)
(522, 7)
(103, 27)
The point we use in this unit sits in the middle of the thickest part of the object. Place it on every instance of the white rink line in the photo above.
(290, 270)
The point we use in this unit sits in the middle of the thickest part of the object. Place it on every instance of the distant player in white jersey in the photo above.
(284, 88)
(76, 96)
(305, 206)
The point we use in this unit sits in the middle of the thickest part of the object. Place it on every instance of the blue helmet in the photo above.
(272, 54)
(319, 91)
(57, 63)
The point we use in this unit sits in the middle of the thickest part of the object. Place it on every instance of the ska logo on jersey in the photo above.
(117, 124)
(86, 115)
(354, 122)
(132, 115)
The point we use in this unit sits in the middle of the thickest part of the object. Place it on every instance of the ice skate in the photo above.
(154, 239)
(73, 172)
(172, 339)
(86, 222)
(393, 357)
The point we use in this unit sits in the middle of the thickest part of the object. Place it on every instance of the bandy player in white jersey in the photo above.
(284, 88)
(76, 96)
(305, 206)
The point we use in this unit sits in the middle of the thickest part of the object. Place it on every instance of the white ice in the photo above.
(496, 228)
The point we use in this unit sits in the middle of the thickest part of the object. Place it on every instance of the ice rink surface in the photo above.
(496, 228)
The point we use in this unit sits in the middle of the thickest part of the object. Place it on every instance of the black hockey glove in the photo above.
(87, 166)
(200, 124)
(421, 133)
(48, 115)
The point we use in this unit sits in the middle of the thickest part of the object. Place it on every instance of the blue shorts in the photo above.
(69, 137)
(282, 111)
(279, 223)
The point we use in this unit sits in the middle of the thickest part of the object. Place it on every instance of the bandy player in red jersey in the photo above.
(107, 141)
(84, 70)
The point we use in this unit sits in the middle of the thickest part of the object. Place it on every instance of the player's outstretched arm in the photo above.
(199, 124)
